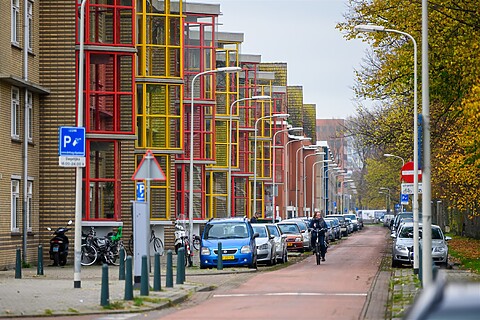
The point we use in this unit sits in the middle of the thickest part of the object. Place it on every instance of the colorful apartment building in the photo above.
(147, 65)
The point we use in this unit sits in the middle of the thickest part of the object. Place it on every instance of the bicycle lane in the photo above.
(338, 287)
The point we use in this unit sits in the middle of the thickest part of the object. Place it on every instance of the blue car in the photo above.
(238, 243)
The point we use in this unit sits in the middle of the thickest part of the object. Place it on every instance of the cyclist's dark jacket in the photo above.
(316, 224)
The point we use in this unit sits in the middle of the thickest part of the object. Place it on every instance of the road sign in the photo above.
(66, 161)
(407, 173)
(407, 188)
(140, 191)
(72, 141)
(404, 199)
(149, 169)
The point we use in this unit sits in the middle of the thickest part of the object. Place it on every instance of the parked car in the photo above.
(398, 218)
(238, 243)
(266, 251)
(336, 227)
(343, 224)
(353, 218)
(349, 224)
(402, 251)
(294, 235)
(330, 233)
(280, 242)
(387, 220)
(446, 300)
(303, 225)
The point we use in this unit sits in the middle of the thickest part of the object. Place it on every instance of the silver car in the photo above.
(265, 242)
(402, 251)
(280, 242)
(305, 232)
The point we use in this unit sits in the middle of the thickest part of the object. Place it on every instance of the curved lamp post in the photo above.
(305, 178)
(274, 164)
(278, 115)
(229, 153)
(190, 200)
(287, 167)
(375, 28)
(333, 166)
(313, 182)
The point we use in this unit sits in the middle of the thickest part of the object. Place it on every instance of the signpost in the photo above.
(71, 147)
(407, 172)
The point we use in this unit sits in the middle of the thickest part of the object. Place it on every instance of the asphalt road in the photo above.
(337, 289)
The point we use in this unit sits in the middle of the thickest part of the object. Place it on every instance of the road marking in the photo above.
(290, 294)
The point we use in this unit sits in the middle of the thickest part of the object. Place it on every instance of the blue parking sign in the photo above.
(140, 192)
(404, 199)
(72, 141)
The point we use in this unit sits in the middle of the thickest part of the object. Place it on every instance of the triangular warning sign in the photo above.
(149, 169)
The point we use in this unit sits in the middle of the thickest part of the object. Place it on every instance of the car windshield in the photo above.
(225, 231)
(407, 232)
(262, 232)
(289, 228)
(273, 230)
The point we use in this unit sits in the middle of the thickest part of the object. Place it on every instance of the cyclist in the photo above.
(318, 226)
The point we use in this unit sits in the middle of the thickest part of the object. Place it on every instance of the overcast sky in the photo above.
(301, 33)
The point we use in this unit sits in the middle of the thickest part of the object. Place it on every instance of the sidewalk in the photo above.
(53, 293)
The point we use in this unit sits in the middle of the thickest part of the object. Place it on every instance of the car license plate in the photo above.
(228, 257)
(289, 244)
(55, 249)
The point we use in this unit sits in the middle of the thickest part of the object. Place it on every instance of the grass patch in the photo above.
(466, 252)
(115, 305)
(72, 310)
(48, 312)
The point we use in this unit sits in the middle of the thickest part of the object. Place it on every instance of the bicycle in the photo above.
(154, 240)
(107, 248)
(318, 245)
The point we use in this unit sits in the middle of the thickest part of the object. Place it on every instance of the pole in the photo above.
(254, 205)
(426, 193)
(190, 199)
(296, 180)
(77, 281)
(305, 179)
(229, 154)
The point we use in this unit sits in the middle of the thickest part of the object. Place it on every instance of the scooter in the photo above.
(59, 245)
(181, 240)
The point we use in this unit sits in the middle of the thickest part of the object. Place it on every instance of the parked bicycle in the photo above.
(156, 242)
(105, 249)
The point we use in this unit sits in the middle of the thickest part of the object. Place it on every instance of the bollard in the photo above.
(144, 278)
(156, 273)
(180, 265)
(128, 279)
(220, 257)
(169, 275)
(121, 265)
(104, 299)
(40, 261)
(18, 265)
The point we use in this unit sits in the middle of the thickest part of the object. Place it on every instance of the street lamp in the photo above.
(388, 204)
(278, 115)
(375, 28)
(287, 167)
(342, 188)
(190, 200)
(392, 155)
(296, 178)
(333, 166)
(273, 167)
(305, 179)
(229, 153)
(313, 182)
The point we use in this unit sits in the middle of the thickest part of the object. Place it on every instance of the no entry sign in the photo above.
(407, 173)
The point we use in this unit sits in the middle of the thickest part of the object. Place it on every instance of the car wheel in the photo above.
(395, 263)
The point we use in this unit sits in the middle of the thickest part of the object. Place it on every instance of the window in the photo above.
(30, 26)
(15, 21)
(30, 116)
(15, 113)
(15, 205)
(29, 205)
